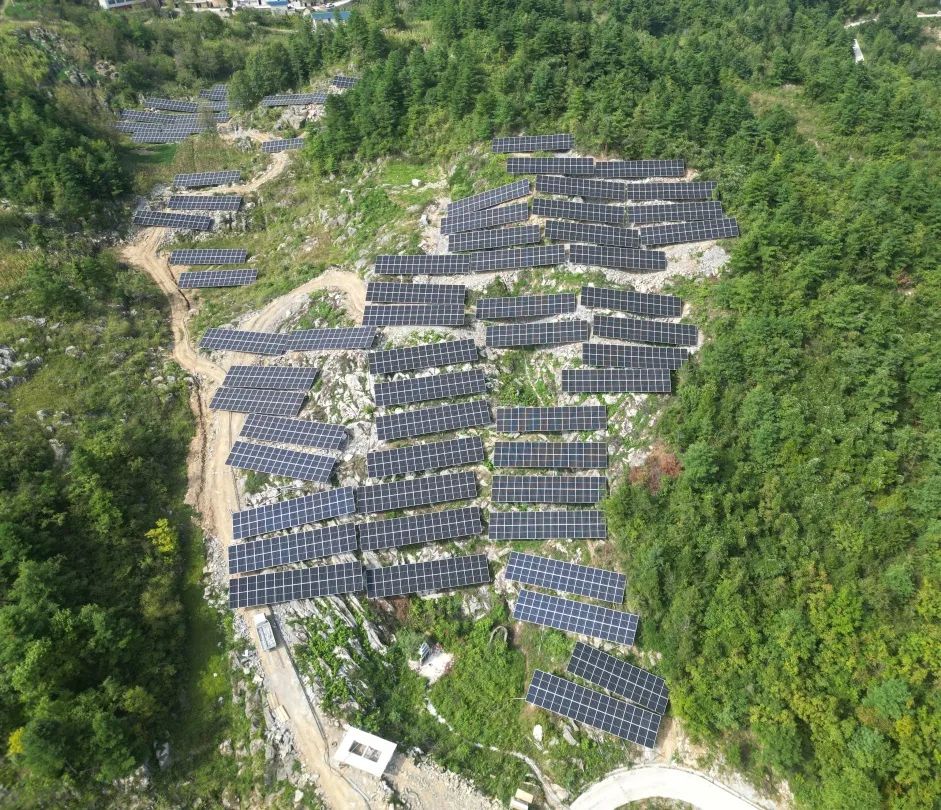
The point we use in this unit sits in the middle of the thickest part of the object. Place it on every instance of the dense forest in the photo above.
(788, 574)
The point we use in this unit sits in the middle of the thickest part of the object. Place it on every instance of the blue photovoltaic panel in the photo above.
(275, 517)
(415, 492)
(293, 99)
(643, 331)
(343, 82)
(331, 339)
(494, 238)
(398, 292)
(581, 187)
(556, 455)
(490, 198)
(612, 355)
(448, 524)
(288, 378)
(670, 191)
(537, 334)
(576, 617)
(413, 315)
(551, 165)
(619, 677)
(560, 230)
(204, 179)
(487, 218)
(438, 419)
(433, 386)
(422, 577)
(639, 168)
(659, 306)
(525, 306)
(171, 104)
(205, 202)
(242, 340)
(195, 279)
(218, 92)
(489, 261)
(548, 488)
(421, 457)
(566, 577)
(559, 419)
(576, 524)
(560, 142)
(258, 400)
(285, 549)
(619, 258)
(421, 264)
(427, 355)
(281, 145)
(616, 380)
(266, 458)
(689, 232)
(584, 212)
(166, 219)
(208, 256)
(674, 212)
(300, 432)
(300, 583)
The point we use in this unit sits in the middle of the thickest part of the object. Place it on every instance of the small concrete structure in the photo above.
(364, 751)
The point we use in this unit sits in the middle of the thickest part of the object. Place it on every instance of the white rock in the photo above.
(537, 733)
(298, 796)
(416, 183)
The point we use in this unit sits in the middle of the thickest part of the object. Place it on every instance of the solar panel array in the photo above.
(243, 340)
(674, 212)
(537, 334)
(494, 238)
(663, 306)
(343, 82)
(689, 232)
(555, 455)
(562, 231)
(552, 420)
(639, 168)
(448, 524)
(576, 617)
(204, 179)
(490, 261)
(281, 145)
(293, 99)
(397, 292)
(258, 400)
(435, 386)
(300, 432)
(566, 577)
(525, 306)
(438, 419)
(287, 514)
(548, 488)
(581, 187)
(190, 256)
(585, 212)
(486, 218)
(165, 219)
(594, 709)
(490, 197)
(550, 165)
(535, 143)
(217, 278)
(578, 524)
(616, 380)
(421, 264)
(266, 458)
(218, 92)
(300, 583)
(642, 331)
(417, 492)
(332, 339)
(618, 258)
(427, 355)
(171, 104)
(422, 577)
(413, 315)
(610, 355)
(290, 378)
(670, 191)
(291, 548)
(421, 457)
(205, 202)
(619, 677)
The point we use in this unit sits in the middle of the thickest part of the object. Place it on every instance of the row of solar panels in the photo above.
(194, 202)
(307, 99)
(589, 167)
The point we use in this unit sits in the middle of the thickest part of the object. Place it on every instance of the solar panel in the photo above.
(149, 117)
(204, 179)
(576, 617)
(618, 258)
(490, 261)
(300, 432)
(565, 577)
(414, 492)
(552, 420)
(641, 331)
(674, 212)
(413, 315)
(421, 457)
(561, 142)
(435, 386)
(427, 355)
(663, 306)
(581, 187)
(562, 231)
(397, 292)
(161, 136)
(205, 202)
(289, 378)
(265, 458)
(556, 455)
(274, 517)
(438, 419)
(421, 264)
(218, 92)
(536, 334)
(433, 575)
(525, 306)
(293, 100)
(494, 238)
(217, 278)
(689, 232)
(585, 212)
(448, 524)
(594, 709)
(172, 104)
(242, 340)
(164, 219)
(490, 198)
(640, 168)
(281, 145)
(619, 677)
(334, 339)
(487, 218)
(300, 583)
(616, 380)
(343, 82)
(548, 488)
(610, 355)
(670, 191)
(578, 524)
(550, 165)
(258, 400)
(291, 548)
(190, 256)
